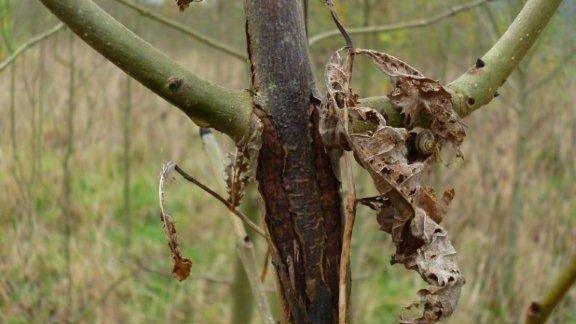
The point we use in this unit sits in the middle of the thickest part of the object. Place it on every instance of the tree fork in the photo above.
(295, 175)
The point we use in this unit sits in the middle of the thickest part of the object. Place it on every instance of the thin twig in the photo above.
(244, 246)
(399, 26)
(182, 265)
(183, 29)
(552, 74)
(33, 41)
(104, 297)
(538, 312)
(339, 25)
(208, 279)
(214, 194)
(66, 181)
(306, 12)
(474, 90)
(264, 271)
(344, 282)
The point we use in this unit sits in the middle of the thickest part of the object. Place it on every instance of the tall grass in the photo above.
(111, 200)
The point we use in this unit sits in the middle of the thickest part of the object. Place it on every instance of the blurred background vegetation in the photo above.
(81, 148)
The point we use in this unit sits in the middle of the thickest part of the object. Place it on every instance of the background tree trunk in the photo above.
(295, 175)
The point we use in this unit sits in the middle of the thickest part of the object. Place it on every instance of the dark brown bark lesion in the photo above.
(295, 175)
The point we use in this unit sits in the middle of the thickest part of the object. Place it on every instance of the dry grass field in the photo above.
(80, 235)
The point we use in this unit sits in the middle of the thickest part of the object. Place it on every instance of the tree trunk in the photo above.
(295, 174)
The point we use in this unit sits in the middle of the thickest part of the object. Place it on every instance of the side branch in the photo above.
(206, 103)
(400, 26)
(206, 40)
(478, 85)
(35, 40)
(538, 312)
(221, 199)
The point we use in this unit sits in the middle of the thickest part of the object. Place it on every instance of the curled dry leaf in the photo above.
(407, 210)
(182, 265)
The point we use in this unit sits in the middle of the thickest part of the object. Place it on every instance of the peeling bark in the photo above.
(295, 174)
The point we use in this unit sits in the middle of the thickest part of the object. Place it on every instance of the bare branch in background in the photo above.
(204, 39)
(552, 74)
(400, 26)
(29, 44)
(344, 284)
(209, 279)
(480, 83)
(539, 311)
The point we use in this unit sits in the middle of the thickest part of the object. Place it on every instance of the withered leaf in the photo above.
(416, 95)
(182, 265)
(425, 198)
(407, 210)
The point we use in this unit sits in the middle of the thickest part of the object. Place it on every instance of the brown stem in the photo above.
(214, 194)
(538, 312)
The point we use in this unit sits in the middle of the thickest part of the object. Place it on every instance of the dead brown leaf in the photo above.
(407, 210)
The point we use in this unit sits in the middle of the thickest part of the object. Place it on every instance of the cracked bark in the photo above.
(296, 179)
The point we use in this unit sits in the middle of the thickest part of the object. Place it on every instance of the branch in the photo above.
(33, 41)
(478, 85)
(183, 29)
(344, 279)
(204, 102)
(538, 312)
(400, 26)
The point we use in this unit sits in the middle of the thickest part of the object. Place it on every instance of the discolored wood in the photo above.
(295, 175)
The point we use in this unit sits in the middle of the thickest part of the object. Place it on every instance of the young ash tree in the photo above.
(294, 139)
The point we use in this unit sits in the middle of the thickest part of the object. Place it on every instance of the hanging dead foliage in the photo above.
(182, 265)
(396, 158)
(241, 168)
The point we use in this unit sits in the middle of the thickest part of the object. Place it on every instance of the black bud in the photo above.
(175, 84)
(246, 239)
(496, 94)
(480, 64)
(204, 131)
